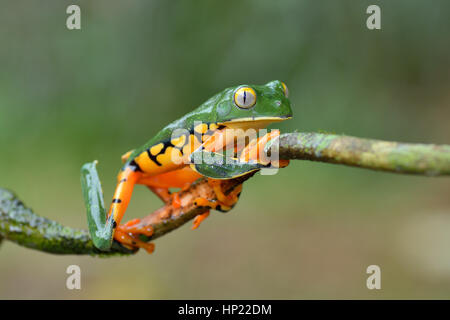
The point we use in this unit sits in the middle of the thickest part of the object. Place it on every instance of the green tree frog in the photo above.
(168, 159)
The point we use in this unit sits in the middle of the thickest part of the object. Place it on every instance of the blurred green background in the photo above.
(69, 97)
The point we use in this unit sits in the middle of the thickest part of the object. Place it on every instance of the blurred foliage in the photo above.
(68, 97)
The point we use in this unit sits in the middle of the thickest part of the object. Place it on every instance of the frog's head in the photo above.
(253, 106)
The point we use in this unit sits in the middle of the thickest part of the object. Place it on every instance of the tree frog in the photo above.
(167, 160)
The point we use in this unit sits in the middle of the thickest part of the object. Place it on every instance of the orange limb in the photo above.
(218, 141)
(128, 233)
(255, 151)
(202, 202)
(165, 195)
(160, 184)
(162, 193)
(131, 241)
(226, 202)
(173, 179)
(198, 220)
(223, 203)
(133, 227)
(124, 189)
(176, 202)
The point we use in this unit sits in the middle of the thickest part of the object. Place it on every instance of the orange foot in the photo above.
(128, 235)
(255, 151)
(223, 203)
(175, 196)
(176, 202)
(198, 220)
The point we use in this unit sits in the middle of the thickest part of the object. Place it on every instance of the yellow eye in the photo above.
(285, 89)
(245, 97)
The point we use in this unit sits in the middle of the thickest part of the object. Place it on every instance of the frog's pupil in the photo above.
(245, 96)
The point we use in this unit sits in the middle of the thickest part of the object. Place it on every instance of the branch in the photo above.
(20, 225)
(395, 157)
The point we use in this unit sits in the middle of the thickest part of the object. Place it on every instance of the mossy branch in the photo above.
(395, 157)
(20, 225)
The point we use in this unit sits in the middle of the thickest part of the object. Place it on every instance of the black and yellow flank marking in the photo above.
(159, 157)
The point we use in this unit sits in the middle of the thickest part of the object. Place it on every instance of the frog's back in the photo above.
(175, 141)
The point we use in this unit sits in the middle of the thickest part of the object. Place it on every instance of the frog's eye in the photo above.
(285, 89)
(245, 97)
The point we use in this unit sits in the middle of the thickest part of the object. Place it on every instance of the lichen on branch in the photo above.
(396, 157)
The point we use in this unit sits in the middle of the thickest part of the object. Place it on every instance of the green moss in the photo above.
(20, 225)
(428, 160)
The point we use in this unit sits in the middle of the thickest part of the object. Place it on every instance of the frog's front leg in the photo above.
(251, 159)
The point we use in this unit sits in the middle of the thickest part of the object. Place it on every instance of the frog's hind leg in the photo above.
(128, 234)
(223, 203)
(163, 193)
(125, 234)
(160, 184)
(183, 178)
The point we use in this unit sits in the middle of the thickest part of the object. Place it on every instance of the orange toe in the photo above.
(198, 220)
(202, 202)
(132, 222)
(134, 228)
(149, 247)
(176, 202)
(132, 242)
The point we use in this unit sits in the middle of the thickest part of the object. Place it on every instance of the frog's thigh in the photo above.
(160, 184)
(180, 178)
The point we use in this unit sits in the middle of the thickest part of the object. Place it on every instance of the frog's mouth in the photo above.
(252, 122)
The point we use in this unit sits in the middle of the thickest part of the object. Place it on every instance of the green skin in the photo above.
(271, 102)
